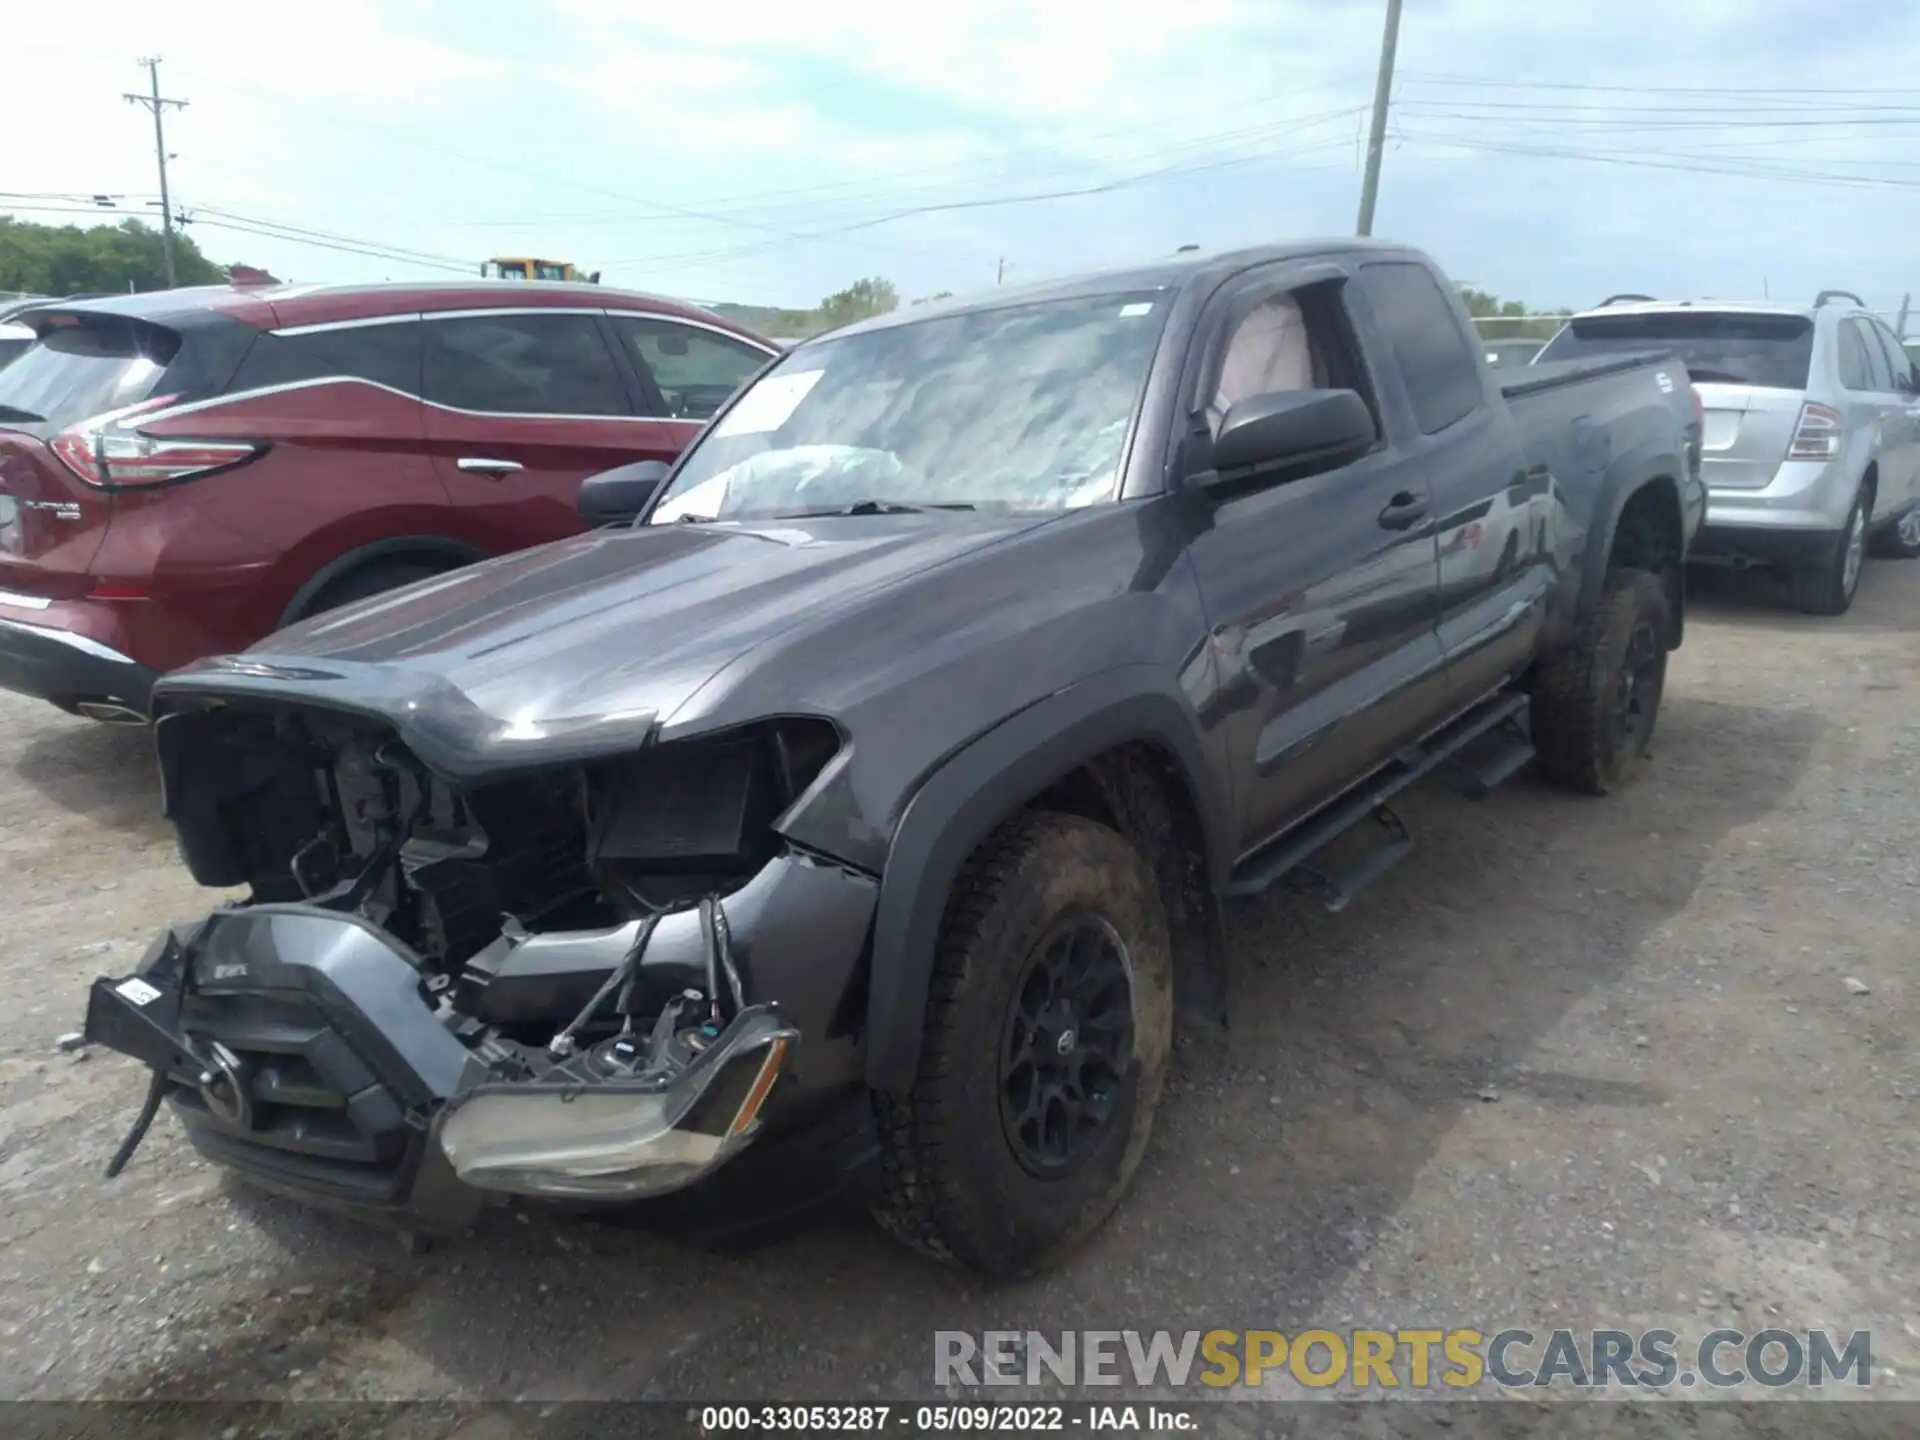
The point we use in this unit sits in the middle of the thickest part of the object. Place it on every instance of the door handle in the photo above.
(1402, 511)
(484, 465)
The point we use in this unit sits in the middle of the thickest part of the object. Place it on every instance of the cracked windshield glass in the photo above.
(1024, 408)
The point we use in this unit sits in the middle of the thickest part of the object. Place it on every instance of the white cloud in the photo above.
(600, 124)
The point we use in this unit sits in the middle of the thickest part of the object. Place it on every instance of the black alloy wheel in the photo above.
(1066, 1046)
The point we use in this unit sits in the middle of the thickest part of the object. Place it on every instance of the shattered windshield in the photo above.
(1023, 408)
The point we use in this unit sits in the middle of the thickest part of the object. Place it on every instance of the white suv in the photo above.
(1812, 447)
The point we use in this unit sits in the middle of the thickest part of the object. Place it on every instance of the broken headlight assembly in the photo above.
(675, 828)
(624, 1120)
(589, 1029)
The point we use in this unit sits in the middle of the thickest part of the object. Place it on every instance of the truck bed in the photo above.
(1577, 417)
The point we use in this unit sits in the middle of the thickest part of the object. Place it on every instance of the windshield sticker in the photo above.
(768, 405)
(1138, 307)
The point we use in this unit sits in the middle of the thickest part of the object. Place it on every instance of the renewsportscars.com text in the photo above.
(1411, 1359)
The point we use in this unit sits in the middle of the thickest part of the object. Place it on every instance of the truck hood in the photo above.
(584, 646)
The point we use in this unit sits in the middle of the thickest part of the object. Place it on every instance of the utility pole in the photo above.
(1000, 271)
(154, 102)
(1377, 136)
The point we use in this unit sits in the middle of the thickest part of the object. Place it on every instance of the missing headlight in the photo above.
(696, 817)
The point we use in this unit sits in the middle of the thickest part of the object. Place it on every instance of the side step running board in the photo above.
(1289, 853)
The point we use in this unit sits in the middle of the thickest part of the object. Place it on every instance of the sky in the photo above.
(772, 151)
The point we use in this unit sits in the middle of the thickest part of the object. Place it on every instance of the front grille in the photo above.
(320, 1117)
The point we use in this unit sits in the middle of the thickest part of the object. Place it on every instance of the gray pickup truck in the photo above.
(855, 811)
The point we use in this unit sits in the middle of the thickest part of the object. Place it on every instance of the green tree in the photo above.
(65, 259)
(859, 301)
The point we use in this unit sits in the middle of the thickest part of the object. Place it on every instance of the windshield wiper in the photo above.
(878, 507)
(14, 412)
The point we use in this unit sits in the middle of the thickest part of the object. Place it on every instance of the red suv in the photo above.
(184, 472)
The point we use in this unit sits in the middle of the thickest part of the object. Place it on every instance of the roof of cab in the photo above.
(268, 307)
(1176, 272)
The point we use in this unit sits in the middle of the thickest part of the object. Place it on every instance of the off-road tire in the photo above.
(1576, 689)
(373, 579)
(1900, 540)
(952, 1185)
(1822, 587)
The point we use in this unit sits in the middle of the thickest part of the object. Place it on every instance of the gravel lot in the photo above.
(1576, 1062)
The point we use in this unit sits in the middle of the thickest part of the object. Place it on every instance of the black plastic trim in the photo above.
(976, 789)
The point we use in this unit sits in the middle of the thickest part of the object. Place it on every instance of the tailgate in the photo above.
(1748, 430)
(51, 522)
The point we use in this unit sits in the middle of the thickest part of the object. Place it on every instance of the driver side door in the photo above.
(1321, 592)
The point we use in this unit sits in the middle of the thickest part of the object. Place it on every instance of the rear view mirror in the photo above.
(617, 496)
(1296, 432)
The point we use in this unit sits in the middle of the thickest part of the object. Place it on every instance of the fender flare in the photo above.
(975, 789)
(1625, 485)
(457, 550)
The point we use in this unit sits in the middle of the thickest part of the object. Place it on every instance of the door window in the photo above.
(1439, 367)
(1898, 362)
(1299, 339)
(1856, 366)
(386, 354)
(1269, 351)
(523, 364)
(696, 370)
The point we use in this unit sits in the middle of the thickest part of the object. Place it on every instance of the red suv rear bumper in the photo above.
(65, 652)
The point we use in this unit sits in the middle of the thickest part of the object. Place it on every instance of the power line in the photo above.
(1646, 161)
(994, 201)
(867, 187)
(369, 251)
(156, 103)
(304, 232)
(1430, 77)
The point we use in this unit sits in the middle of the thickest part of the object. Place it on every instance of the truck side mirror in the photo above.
(617, 496)
(1294, 433)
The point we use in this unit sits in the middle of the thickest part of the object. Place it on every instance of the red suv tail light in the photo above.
(108, 457)
(1817, 436)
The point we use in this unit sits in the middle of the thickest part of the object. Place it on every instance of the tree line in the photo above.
(71, 260)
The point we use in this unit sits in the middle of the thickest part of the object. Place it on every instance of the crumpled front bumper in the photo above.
(303, 1048)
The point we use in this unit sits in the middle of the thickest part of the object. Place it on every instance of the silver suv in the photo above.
(1812, 447)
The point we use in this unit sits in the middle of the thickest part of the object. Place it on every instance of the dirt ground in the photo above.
(1592, 1063)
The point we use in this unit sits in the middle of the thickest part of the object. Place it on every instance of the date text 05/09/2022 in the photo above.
(965, 1418)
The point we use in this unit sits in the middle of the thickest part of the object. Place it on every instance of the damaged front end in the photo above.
(588, 981)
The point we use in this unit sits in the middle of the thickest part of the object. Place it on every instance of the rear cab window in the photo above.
(82, 365)
(1420, 323)
(1718, 347)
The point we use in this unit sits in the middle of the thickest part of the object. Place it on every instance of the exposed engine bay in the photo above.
(571, 928)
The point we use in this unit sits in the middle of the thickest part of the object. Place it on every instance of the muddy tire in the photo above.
(1048, 1026)
(1827, 585)
(1595, 702)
